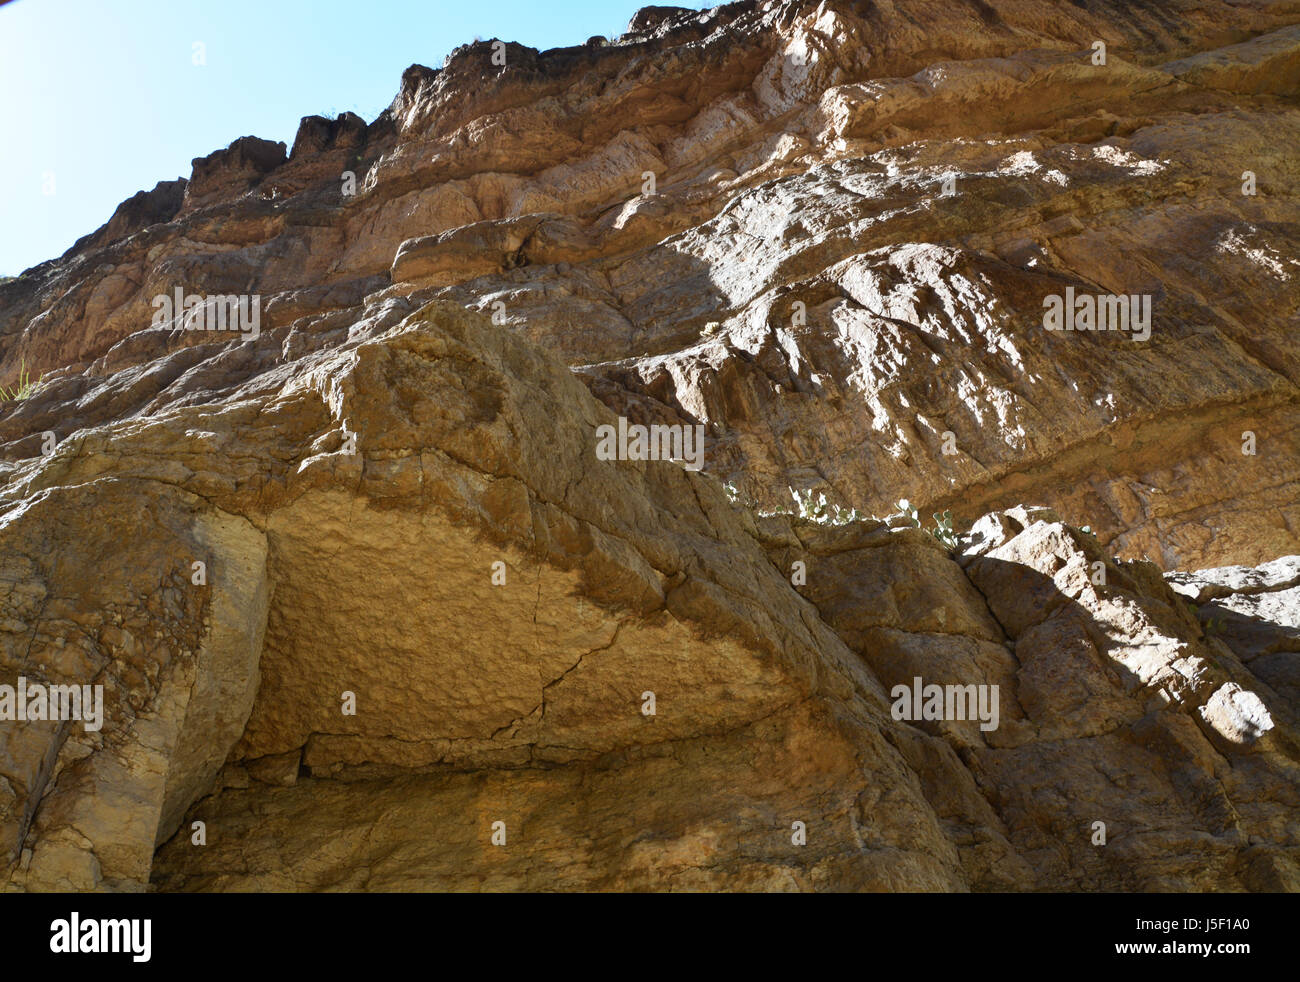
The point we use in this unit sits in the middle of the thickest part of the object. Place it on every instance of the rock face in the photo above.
(370, 612)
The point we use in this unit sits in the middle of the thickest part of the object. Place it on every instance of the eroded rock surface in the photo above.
(823, 232)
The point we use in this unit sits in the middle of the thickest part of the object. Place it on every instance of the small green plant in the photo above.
(1211, 625)
(819, 510)
(943, 530)
(24, 387)
(906, 508)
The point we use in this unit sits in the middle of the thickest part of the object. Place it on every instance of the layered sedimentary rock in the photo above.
(369, 611)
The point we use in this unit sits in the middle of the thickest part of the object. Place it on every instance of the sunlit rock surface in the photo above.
(823, 232)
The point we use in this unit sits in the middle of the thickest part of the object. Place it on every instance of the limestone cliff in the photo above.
(370, 612)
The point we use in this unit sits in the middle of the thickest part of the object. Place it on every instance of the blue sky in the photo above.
(102, 99)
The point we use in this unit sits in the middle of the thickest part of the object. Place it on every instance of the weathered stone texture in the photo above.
(822, 231)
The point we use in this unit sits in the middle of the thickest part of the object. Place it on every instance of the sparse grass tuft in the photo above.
(23, 389)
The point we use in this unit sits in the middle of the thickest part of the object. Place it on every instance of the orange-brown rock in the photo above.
(366, 603)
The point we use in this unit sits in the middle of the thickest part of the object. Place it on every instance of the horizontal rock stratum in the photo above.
(369, 611)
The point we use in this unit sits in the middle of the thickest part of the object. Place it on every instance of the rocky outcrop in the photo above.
(370, 611)
(1256, 614)
(231, 172)
(137, 213)
(857, 213)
